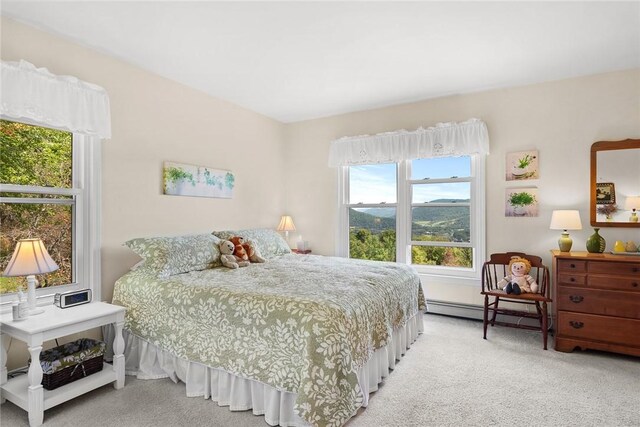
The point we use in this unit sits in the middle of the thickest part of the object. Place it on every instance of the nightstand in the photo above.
(26, 391)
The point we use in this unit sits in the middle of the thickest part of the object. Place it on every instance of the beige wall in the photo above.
(155, 119)
(561, 119)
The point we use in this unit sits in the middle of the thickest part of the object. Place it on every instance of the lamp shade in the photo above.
(565, 220)
(632, 202)
(286, 224)
(30, 257)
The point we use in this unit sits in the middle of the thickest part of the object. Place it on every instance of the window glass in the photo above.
(441, 224)
(372, 233)
(36, 156)
(448, 256)
(445, 192)
(441, 167)
(373, 183)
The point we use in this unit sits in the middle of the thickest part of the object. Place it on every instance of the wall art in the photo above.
(521, 201)
(522, 165)
(199, 181)
(605, 193)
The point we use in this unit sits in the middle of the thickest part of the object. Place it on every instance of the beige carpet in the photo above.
(450, 377)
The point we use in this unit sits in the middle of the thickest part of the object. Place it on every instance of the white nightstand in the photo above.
(26, 391)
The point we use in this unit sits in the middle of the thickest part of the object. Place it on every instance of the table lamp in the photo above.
(29, 258)
(565, 220)
(632, 204)
(286, 225)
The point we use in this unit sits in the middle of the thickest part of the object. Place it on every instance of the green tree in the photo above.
(37, 156)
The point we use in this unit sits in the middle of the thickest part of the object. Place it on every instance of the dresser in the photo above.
(596, 302)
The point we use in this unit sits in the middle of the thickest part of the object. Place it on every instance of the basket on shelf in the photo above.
(72, 361)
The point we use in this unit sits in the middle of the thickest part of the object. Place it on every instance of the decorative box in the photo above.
(72, 361)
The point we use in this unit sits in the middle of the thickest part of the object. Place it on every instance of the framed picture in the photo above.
(605, 193)
(521, 201)
(180, 179)
(522, 165)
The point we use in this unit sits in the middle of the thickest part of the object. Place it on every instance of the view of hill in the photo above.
(448, 222)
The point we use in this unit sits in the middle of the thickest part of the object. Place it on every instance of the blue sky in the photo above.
(377, 183)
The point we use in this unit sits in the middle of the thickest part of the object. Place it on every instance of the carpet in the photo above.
(449, 377)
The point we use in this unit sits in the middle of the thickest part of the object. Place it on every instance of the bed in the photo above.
(300, 339)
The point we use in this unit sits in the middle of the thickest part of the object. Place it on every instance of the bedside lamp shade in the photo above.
(565, 220)
(632, 204)
(286, 225)
(30, 257)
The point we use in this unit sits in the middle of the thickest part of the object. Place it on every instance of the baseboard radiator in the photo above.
(470, 311)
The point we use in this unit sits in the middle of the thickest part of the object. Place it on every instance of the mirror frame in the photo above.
(605, 146)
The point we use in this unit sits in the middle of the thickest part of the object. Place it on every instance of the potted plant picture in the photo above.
(522, 165)
(607, 210)
(522, 202)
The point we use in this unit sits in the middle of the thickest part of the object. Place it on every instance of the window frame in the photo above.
(85, 191)
(404, 206)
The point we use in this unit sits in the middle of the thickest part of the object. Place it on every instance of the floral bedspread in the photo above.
(302, 324)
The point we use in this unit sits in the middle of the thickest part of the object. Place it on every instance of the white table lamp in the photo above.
(632, 204)
(565, 220)
(29, 258)
(286, 225)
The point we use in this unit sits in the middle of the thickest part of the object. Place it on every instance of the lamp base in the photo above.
(565, 242)
(633, 217)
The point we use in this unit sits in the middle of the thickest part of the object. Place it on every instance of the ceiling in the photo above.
(294, 61)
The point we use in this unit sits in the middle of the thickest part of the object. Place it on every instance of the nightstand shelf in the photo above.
(26, 391)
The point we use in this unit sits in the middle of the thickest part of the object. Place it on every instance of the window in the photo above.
(424, 212)
(45, 180)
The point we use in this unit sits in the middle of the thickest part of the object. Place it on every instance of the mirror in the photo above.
(615, 183)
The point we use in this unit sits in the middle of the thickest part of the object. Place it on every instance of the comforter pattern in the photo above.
(302, 324)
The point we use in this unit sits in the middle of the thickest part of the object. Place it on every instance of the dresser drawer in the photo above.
(615, 268)
(594, 301)
(572, 279)
(620, 283)
(570, 265)
(616, 330)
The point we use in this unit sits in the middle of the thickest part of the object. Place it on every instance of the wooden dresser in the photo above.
(596, 302)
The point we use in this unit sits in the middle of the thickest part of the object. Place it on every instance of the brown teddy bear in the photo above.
(246, 250)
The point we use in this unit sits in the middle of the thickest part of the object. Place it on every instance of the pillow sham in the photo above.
(269, 242)
(166, 256)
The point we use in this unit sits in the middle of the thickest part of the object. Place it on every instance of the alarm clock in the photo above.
(72, 298)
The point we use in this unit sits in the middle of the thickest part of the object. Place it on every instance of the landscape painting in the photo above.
(198, 181)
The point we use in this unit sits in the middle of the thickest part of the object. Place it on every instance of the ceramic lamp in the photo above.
(632, 204)
(29, 258)
(565, 220)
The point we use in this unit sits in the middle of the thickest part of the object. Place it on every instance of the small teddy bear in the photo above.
(519, 281)
(227, 257)
(246, 250)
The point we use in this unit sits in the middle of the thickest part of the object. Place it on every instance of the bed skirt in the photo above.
(146, 361)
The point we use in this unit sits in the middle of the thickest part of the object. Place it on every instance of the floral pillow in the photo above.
(166, 256)
(269, 242)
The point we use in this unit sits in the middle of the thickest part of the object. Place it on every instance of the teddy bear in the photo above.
(519, 281)
(246, 249)
(227, 257)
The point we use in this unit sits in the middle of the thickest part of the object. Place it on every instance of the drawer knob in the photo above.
(576, 325)
(572, 265)
(573, 279)
(634, 284)
(634, 269)
(576, 298)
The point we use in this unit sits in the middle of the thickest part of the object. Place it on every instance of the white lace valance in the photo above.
(443, 139)
(61, 101)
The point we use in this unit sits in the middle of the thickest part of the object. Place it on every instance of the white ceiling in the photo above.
(299, 60)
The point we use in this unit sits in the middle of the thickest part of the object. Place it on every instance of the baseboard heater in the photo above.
(470, 311)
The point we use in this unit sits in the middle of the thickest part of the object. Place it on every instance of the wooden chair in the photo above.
(495, 270)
